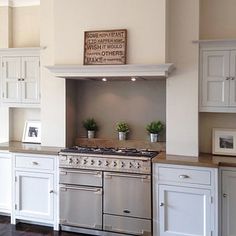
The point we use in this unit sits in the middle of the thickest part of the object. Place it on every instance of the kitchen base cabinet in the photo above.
(228, 201)
(185, 201)
(5, 182)
(35, 190)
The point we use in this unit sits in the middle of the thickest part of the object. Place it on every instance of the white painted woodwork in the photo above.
(35, 189)
(20, 77)
(19, 3)
(113, 72)
(5, 182)
(217, 76)
(10, 79)
(215, 82)
(185, 211)
(232, 98)
(228, 203)
(183, 203)
(33, 197)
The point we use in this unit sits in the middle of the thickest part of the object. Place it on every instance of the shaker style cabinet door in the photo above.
(34, 195)
(232, 99)
(5, 182)
(184, 211)
(11, 76)
(228, 203)
(215, 78)
(21, 80)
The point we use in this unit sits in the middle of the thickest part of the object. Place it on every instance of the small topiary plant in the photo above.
(90, 124)
(122, 127)
(155, 127)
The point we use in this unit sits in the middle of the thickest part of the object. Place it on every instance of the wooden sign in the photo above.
(105, 47)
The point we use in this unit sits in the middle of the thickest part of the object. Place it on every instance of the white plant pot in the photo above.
(153, 137)
(122, 135)
(91, 134)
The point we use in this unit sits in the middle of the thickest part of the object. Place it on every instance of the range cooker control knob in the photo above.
(92, 162)
(99, 162)
(106, 163)
(114, 163)
(138, 165)
(131, 165)
(85, 161)
(77, 161)
(70, 160)
(122, 164)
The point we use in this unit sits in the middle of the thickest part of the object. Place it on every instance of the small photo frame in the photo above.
(224, 141)
(32, 132)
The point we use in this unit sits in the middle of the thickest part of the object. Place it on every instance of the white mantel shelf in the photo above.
(114, 72)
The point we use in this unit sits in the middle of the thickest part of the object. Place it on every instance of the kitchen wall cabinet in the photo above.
(185, 201)
(228, 201)
(218, 78)
(20, 77)
(5, 182)
(35, 190)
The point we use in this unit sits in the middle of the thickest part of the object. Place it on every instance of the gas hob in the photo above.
(107, 159)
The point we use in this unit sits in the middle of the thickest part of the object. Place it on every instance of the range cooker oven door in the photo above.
(128, 197)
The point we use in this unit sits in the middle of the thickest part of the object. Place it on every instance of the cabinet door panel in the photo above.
(214, 84)
(184, 211)
(33, 197)
(232, 101)
(228, 203)
(5, 183)
(30, 74)
(10, 79)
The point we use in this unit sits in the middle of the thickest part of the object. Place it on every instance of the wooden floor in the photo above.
(22, 229)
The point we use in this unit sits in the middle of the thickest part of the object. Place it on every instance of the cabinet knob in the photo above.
(224, 195)
(232, 78)
(51, 191)
(162, 204)
(35, 163)
(227, 78)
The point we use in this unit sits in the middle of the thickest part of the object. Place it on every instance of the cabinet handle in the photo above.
(227, 78)
(232, 78)
(19, 79)
(224, 195)
(162, 204)
(35, 163)
(184, 176)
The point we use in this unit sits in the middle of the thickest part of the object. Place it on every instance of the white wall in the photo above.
(25, 26)
(182, 86)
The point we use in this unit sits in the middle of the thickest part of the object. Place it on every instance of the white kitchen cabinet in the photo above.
(228, 203)
(185, 201)
(35, 191)
(218, 78)
(5, 182)
(20, 77)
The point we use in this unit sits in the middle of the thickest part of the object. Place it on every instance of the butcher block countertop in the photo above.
(20, 147)
(204, 160)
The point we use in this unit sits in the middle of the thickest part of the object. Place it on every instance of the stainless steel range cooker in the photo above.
(106, 191)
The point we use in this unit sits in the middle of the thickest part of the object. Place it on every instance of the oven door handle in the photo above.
(108, 227)
(95, 190)
(143, 177)
(97, 173)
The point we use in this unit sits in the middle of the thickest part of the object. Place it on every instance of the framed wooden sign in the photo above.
(105, 47)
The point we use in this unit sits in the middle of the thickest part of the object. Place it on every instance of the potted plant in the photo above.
(123, 129)
(91, 126)
(154, 129)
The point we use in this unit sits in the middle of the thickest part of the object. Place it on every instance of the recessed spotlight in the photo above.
(104, 79)
(133, 79)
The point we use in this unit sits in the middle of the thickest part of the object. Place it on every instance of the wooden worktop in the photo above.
(19, 147)
(204, 160)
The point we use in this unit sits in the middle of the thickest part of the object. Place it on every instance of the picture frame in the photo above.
(224, 141)
(105, 47)
(32, 132)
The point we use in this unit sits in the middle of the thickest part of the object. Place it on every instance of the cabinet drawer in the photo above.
(181, 175)
(34, 162)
